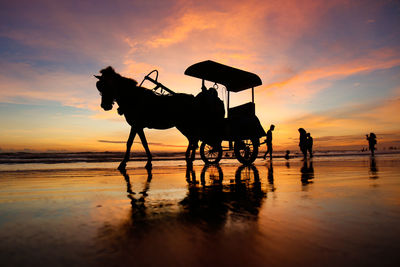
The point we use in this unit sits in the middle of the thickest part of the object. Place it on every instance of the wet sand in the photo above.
(341, 211)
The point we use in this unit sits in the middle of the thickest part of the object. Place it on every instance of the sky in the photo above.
(331, 67)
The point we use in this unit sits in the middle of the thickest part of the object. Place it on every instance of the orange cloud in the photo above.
(377, 59)
(346, 124)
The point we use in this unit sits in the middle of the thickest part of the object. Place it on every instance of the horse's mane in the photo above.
(124, 82)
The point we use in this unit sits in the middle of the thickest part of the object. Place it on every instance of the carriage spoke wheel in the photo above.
(246, 151)
(210, 154)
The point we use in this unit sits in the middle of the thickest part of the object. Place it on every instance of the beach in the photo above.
(329, 211)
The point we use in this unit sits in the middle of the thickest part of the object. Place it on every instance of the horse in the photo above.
(144, 108)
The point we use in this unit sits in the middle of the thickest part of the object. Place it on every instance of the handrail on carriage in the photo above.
(158, 84)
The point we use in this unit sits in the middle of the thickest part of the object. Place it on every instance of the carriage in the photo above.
(240, 128)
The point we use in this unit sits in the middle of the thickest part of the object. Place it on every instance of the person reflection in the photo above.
(271, 176)
(373, 170)
(307, 173)
(287, 164)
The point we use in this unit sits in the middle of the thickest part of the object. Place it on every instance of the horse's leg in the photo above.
(187, 154)
(129, 143)
(146, 147)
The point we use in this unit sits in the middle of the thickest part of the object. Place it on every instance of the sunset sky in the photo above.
(331, 67)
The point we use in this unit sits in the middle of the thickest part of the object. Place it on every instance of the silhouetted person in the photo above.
(303, 141)
(371, 142)
(268, 141)
(208, 116)
(309, 144)
(287, 155)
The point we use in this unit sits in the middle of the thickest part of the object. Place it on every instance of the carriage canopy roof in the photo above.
(235, 80)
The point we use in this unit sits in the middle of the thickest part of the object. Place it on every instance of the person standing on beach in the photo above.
(303, 141)
(309, 144)
(371, 142)
(268, 141)
(287, 155)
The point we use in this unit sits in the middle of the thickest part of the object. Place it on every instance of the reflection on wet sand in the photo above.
(225, 215)
(211, 199)
(373, 169)
(137, 203)
(287, 164)
(271, 175)
(210, 206)
(307, 173)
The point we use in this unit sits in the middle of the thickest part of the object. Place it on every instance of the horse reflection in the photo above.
(138, 204)
(373, 169)
(190, 174)
(307, 173)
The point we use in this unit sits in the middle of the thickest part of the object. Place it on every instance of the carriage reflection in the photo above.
(209, 200)
(212, 200)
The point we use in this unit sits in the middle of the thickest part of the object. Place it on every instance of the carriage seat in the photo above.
(245, 110)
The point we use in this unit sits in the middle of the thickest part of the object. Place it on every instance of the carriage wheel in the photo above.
(246, 151)
(210, 154)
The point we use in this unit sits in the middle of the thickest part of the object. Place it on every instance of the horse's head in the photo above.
(107, 87)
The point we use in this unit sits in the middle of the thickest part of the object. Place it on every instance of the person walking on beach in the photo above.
(268, 141)
(309, 144)
(371, 142)
(287, 155)
(303, 141)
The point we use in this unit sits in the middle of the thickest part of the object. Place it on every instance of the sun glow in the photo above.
(327, 67)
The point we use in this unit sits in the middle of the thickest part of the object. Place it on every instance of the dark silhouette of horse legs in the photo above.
(146, 148)
(129, 143)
